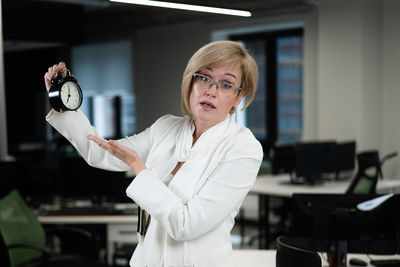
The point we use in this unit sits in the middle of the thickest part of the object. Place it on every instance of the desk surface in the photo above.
(254, 258)
(280, 186)
(266, 258)
(89, 219)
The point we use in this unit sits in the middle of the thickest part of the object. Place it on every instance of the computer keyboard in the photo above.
(386, 262)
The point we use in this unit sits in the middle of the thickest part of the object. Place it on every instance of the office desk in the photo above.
(266, 258)
(88, 219)
(254, 258)
(267, 186)
(280, 186)
(119, 228)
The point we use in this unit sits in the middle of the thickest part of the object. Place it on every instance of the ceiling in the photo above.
(30, 23)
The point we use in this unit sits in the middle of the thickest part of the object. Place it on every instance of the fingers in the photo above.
(99, 141)
(127, 155)
(62, 69)
(47, 81)
(56, 69)
(110, 146)
(117, 146)
(120, 151)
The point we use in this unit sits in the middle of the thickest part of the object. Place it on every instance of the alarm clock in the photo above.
(65, 94)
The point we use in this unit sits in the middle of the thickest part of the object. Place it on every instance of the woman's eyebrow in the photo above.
(226, 73)
(230, 74)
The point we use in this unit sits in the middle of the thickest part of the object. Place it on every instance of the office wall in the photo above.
(371, 77)
(358, 73)
(391, 85)
(342, 61)
(160, 57)
(98, 65)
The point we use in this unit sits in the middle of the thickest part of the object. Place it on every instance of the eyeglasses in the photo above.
(206, 81)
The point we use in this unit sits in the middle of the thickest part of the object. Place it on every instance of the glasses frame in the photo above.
(212, 82)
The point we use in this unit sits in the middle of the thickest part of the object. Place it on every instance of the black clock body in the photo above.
(65, 94)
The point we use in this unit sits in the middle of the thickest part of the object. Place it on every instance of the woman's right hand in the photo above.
(59, 68)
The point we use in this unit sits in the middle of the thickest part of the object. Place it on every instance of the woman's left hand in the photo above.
(127, 155)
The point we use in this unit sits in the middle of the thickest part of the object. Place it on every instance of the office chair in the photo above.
(366, 178)
(23, 239)
(290, 254)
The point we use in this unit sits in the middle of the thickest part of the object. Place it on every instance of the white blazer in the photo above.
(193, 214)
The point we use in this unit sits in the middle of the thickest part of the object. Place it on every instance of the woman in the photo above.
(192, 172)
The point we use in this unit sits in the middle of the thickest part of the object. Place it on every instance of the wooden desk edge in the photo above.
(88, 219)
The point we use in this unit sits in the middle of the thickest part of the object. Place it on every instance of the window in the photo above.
(276, 113)
(105, 71)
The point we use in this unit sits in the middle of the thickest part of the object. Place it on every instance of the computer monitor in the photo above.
(78, 180)
(38, 180)
(312, 159)
(282, 159)
(345, 157)
(320, 221)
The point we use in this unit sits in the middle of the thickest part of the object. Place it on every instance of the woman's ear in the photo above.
(238, 100)
(236, 103)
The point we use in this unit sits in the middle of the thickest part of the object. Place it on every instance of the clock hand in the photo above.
(69, 94)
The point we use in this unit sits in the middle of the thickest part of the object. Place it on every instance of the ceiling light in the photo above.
(216, 10)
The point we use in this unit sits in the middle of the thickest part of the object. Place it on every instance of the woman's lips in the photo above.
(207, 105)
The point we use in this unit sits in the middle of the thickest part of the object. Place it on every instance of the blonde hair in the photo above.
(216, 54)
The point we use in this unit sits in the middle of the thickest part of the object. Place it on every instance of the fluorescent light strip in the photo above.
(217, 10)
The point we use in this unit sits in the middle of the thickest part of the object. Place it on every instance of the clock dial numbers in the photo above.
(70, 95)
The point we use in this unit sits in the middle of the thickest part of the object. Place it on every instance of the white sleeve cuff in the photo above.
(151, 194)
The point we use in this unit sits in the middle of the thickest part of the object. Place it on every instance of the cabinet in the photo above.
(119, 235)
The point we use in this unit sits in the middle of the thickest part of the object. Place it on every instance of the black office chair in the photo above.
(290, 254)
(369, 170)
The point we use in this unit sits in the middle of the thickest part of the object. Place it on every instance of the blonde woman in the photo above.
(192, 172)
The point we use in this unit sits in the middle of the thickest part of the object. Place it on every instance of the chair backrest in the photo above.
(290, 254)
(369, 170)
(19, 225)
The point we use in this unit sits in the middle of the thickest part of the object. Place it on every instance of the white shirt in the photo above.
(193, 214)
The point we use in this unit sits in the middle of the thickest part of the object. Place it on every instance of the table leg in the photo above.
(263, 224)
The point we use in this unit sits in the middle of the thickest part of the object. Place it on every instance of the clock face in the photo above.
(71, 95)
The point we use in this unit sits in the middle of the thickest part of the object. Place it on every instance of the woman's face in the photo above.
(211, 105)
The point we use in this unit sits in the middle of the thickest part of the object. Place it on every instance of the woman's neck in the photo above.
(200, 128)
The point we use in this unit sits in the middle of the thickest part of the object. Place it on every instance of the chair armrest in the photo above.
(68, 229)
(45, 251)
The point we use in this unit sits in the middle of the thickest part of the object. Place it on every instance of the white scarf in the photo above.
(199, 160)
(212, 137)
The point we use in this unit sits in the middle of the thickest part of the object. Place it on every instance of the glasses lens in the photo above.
(207, 82)
(204, 80)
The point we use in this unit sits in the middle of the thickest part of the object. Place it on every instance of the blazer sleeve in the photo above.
(75, 127)
(222, 193)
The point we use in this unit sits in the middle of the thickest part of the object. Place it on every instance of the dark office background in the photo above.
(337, 103)
(346, 72)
